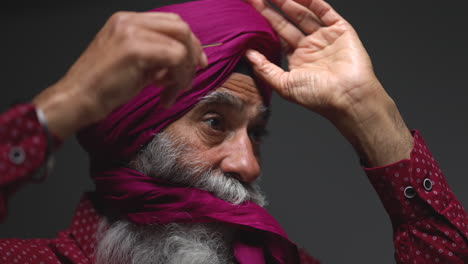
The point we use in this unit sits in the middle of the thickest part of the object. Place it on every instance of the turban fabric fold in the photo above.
(116, 139)
(231, 22)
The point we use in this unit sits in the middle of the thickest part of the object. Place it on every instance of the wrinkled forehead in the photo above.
(238, 92)
(242, 86)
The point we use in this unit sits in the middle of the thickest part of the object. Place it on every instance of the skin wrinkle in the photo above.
(233, 147)
(244, 86)
(227, 99)
(222, 98)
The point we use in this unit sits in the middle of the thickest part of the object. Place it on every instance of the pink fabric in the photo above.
(145, 200)
(19, 129)
(231, 22)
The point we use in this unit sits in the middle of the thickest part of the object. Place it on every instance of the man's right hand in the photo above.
(131, 51)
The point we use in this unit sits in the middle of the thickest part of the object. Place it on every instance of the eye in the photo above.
(214, 121)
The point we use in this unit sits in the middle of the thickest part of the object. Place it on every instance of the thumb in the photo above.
(268, 71)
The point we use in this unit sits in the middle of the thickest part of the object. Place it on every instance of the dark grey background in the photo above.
(312, 176)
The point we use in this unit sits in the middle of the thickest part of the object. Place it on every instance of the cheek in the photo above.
(188, 133)
(203, 144)
(211, 157)
(203, 157)
(207, 147)
(200, 145)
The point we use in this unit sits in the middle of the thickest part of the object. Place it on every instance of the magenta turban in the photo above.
(231, 22)
(146, 200)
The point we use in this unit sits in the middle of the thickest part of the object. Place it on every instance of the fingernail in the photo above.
(253, 56)
(160, 74)
(204, 60)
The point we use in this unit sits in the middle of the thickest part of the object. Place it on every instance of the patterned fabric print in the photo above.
(75, 245)
(26, 251)
(23, 146)
(432, 226)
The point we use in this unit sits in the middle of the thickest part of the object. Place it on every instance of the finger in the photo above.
(203, 59)
(162, 79)
(285, 29)
(285, 46)
(168, 52)
(189, 74)
(157, 52)
(162, 43)
(180, 31)
(169, 96)
(162, 15)
(177, 29)
(322, 10)
(160, 76)
(171, 89)
(305, 19)
(267, 71)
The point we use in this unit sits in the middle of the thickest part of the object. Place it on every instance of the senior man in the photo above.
(175, 161)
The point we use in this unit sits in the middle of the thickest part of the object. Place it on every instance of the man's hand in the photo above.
(131, 51)
(331, 73)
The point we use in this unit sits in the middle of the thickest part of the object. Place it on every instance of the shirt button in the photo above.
(427, 184)
(17, 155)
(409, 192)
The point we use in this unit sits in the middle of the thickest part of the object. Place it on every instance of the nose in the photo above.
(240, 159)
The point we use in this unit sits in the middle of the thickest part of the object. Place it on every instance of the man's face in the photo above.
(214, 147)
(224, 130)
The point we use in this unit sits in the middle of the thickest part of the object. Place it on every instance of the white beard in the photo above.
(122, 242)
(126, 243)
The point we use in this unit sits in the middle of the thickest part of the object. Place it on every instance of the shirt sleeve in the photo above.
(430, 225)
(23, 147)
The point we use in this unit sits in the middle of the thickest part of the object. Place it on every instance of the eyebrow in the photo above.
(222, 98)
(226, 98)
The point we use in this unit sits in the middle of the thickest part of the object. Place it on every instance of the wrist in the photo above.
(65, 109)
(375, 129)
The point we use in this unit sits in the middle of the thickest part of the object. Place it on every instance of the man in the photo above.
(209, 137)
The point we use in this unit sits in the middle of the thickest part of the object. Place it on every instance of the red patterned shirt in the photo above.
(430, 225)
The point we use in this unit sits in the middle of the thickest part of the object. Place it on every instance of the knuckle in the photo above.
(185, 30)
(122, 24)
(281, 25)
(119, 17)
(182, 31)
(173, 16)
(132, 51)
(177, 54)
(302, 15)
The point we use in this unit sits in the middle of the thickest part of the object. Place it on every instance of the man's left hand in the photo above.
(331, 73)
